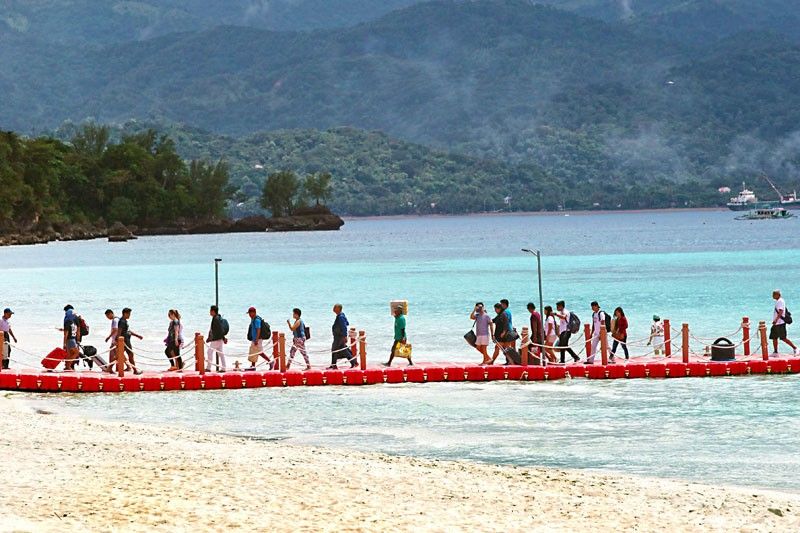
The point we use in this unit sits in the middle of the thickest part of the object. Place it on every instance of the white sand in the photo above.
(70, 474)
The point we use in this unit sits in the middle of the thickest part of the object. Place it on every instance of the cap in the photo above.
(251, 310)
(656, 318)
(8, 310)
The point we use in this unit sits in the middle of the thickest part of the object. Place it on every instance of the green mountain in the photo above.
(665, 94)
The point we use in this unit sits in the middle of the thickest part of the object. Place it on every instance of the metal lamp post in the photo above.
(216, 281)
(538, 254)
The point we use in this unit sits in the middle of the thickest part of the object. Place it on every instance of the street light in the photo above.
(216, 281)
(538, 254)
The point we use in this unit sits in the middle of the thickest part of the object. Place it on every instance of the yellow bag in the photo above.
(403, 350)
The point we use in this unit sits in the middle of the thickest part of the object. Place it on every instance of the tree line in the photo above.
(90, 179)
(284, 192)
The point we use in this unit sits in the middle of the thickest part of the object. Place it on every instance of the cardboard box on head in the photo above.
(394, 304)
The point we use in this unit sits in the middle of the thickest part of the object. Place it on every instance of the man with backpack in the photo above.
(600, 321)
(71, 337)
(568, 323)
(258, 331)
(8, 334)
(780, 318)
(216, 340)
(339, 349)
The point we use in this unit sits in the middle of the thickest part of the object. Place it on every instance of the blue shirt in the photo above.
(69, 325)
(340, 326)
(300, 332)
(255, 326)
(510, 322)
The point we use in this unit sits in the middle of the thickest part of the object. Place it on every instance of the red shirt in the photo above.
(622, 327)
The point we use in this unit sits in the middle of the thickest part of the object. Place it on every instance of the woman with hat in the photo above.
(657, 335)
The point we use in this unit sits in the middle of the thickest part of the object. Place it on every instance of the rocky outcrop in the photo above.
(308, 219)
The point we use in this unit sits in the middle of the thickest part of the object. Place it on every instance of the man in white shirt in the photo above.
(8, 334)
(112, 336)
(564, 333)
(778, 330)
(598, 325)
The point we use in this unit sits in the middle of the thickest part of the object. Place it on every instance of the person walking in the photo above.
(8, 334)
(780, 318)
(550, 333)
(484, 331)
(216, 341)
(537, 334)
(598, 326)
(298, 328)
(501, 332)
(256, 334)
(619, 330)
(505, 303)
(656, 336)
(71, 334)
(174, 341)
(124, 331)
(564, 332)
(339, 349)
(400, 337)
(112, 337)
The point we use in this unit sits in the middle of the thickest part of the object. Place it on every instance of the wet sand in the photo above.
(64, 473)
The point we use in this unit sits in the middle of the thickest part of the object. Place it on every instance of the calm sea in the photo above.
(703, 268)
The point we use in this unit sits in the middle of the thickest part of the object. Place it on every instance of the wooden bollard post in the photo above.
(525, 349)
(282, 352)
(275, 348)
(353, 345)
(3, 351)
(362, 349)
(746, 335)
(587, 335)
(685, 342)
(199, 356)
(762, 331)
(603, 344)
(667, 339)
(120, 356)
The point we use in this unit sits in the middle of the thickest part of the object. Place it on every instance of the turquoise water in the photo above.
(703, 268)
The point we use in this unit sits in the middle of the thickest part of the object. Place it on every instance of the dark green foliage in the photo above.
(281, 193)
(138, 180)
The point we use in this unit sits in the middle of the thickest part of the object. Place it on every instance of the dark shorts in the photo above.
(778, 332)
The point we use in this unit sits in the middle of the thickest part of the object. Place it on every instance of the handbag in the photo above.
(512, 335)
(404, 351)
(471, 338)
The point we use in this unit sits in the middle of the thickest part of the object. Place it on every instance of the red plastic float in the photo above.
(394, 375)
(476, 373)
(70, 383)
(698, 369)
(151, 383)
(635, 370)
(232, 380)
(615, 371)
(777, 366)
(333, 377)
(173, 382)
(273, 379)
(111, 384)
(515, 372)
(434, 374)
(577, 371)
(373, 376)
(294, 378)
(596, 372)
(211, 381)
(656, 370)
(737, 368)
(254, 380)
(414, 374)
(677, 369)
(454, 373)
(495, 373)
(535, 373)
(191, 382)
(757, 366)
(793, 366)
(314, 377)
(555, 372)
(353, 376)
(89, 383)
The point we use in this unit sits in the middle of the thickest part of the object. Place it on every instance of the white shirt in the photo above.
(550, 326)
(598, 321)
(780, 305)
(563, 323)
(4, 325)
(657, 329)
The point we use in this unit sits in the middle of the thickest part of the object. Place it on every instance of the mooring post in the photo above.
(746, 335)
(667, 339)
(199, 356)
(685, 342)
(362, 349)
(282, 352)
(587, 335)
(762, 331)
(525, 349)
(603, 344)
(3, 351)
(121, 357)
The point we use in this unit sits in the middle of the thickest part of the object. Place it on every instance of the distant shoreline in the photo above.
(541, 213)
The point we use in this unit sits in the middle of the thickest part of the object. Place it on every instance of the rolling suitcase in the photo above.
(52, 360)
(91, 357)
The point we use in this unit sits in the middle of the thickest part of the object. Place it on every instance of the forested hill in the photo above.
(659, 93)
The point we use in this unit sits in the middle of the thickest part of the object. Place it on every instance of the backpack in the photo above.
(266, 332)
(608, 321)
(226, 328)
(307, 331)
(787, 317)
(83, 327)
(573, 323)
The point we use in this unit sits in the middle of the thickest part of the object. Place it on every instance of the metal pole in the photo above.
(539, 263)
(216, 282)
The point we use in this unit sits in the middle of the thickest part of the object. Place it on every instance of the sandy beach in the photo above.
(71, 474)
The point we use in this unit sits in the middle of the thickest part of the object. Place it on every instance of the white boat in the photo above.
(766, 213)
(744, 201)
